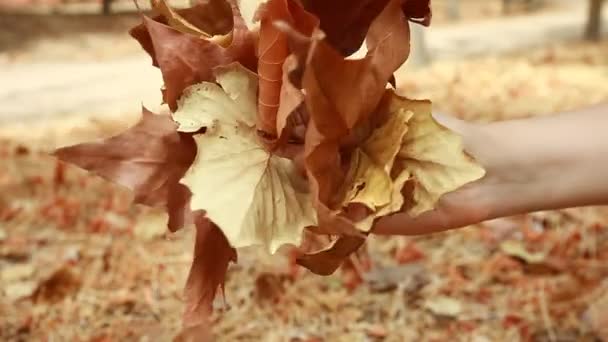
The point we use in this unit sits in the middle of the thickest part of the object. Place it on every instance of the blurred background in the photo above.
(78, 262)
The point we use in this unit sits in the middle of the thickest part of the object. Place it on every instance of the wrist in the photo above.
(540, 163)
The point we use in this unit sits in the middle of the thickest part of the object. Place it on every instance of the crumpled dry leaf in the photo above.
(178, 22)
(272, 51)
(345, 22)
(186, 59)
(258, 198)
(149, 158)
(517, 249)
(434, 155)
(444, 306)
(368, 181)
(328, 260)
(57, 286)
(212, 255)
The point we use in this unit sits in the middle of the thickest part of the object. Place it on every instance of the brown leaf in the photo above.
(211, 16)
(291, 99)
(149, 158)
(205, 19)
(272, 51)
(212, 255)
(346, 22)
(186, 59)
(418, 11)
(57, 286)
(327, 261)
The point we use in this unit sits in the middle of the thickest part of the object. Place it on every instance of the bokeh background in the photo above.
(78, 262)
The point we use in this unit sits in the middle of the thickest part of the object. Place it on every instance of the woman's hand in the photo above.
(532, 164)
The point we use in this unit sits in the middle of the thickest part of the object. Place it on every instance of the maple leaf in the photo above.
(149, 158)
(185, 59)
(212, 255)
(272, 51)
(257, 198)
(434, 156)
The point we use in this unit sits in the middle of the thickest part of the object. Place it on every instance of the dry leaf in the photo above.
(186, 59)
(345, 22)
(176, 21)
(444, 306)
(272, 51)
(257, 198)
(149, 158)
(212, 255)
(518, 250)
(434, 156)
(60, 284)
(369, 179)
(327, 261)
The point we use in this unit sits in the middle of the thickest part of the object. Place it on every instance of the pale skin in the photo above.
(543, 163)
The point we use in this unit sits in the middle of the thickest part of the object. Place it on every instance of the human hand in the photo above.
(531, 164)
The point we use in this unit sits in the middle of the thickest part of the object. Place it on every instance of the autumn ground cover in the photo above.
(80, 263)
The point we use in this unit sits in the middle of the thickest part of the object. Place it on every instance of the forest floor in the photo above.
(78, 262)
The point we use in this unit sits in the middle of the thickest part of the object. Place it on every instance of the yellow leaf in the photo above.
(179, 23)
(517, 249)
(444, 306)
(394, 205)
(254, 197)
(369, 177)
(370, 186)
(433, 155)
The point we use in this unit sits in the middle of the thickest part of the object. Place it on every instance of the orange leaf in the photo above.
(273, 50)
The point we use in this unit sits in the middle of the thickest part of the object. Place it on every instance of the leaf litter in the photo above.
(474, 274)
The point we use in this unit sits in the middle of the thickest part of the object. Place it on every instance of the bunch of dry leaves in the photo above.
(277, 129)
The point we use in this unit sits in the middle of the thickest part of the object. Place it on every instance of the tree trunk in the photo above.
(594, 20)
(106, 7)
